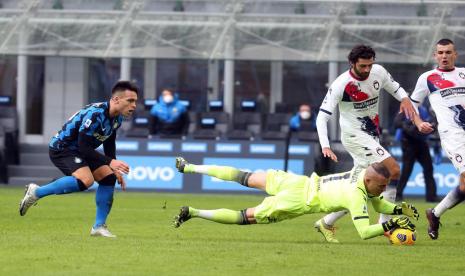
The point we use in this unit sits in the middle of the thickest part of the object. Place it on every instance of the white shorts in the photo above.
(453, 144)
(364, 149)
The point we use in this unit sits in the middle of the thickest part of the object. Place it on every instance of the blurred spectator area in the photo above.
(247, 122)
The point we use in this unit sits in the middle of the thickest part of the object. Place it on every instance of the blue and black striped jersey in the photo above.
(93, 120)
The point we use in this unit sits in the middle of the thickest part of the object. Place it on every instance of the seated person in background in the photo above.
(303, 117)
(169, 115)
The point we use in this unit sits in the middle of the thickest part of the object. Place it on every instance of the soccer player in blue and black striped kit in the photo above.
(73, 151)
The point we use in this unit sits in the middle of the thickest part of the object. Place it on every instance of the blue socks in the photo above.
(64, 185)
(104, 201)
(69, 184)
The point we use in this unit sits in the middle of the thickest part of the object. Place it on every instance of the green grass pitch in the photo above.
(53, 238)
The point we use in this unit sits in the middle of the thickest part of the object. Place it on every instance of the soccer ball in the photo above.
(402, 236)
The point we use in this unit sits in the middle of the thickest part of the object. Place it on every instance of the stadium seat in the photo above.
(193, 119)
(245, 126)
(149, 103)
(211, 125)
(276, 126)
(140, 127)
(282, 108)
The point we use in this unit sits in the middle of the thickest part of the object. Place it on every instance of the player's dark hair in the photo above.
(361, 51)
(381, 169)
(444, 42)
(124, 85)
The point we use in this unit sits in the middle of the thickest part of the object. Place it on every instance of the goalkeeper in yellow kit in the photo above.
(294, 195)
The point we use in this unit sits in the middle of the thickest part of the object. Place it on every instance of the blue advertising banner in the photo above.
(445, 174)
(152, 172)
(246, 164)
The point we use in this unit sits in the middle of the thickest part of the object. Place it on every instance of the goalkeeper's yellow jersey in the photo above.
(346, 191)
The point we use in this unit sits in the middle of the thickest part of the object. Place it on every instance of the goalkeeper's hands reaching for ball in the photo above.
(398, 222)
(406, 209)
(402, 222)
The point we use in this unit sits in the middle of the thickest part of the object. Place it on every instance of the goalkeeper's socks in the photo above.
(64, 185)
(330, 219)
(104, 201)
(221, 172)
(453, 198)
(225, 216)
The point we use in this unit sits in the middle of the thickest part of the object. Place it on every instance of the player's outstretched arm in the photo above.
(365, 230)
(407, 108)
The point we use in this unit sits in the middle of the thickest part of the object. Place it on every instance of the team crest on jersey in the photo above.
(87, 123)
(462, 75)
(77, 160)
(458, 158)
(376, 85)
(365, 209)
(380, 151)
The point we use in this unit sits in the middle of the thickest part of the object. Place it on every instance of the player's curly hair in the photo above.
(381, 169)
(361, 51)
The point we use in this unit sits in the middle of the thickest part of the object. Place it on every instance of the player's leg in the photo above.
(390, 193)
(454, 147)
(454, 197)
(78, 178)
(288, 202)
(103, 200)
(425, 160)
(408, 160)
(225, 173)
(224, 216)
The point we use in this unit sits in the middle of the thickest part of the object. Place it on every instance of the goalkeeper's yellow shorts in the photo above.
(287, 200)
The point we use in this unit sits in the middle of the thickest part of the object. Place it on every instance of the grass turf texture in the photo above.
(53, 238)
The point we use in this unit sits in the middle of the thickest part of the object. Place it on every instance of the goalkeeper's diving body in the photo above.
(294, 195)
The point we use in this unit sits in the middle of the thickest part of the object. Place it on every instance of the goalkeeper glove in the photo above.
(406, 209)
(398, 222)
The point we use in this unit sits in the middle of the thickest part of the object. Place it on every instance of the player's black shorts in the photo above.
(68, 161)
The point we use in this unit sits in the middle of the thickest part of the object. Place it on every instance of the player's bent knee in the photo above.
(84, 185)
(86, 180)
(109, 180)
(247, 217)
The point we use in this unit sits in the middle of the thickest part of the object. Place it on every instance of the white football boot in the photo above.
(29, 198)
(101, 231)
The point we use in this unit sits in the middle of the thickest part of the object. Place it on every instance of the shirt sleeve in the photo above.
(359, 213)
(392, 86)
(327, 108)
(88, 152)
(109, 146)
(382, 206)
(322, 129)
(420, 92)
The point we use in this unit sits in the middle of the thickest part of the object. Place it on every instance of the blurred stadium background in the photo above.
(261, 58)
